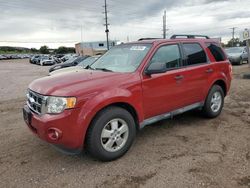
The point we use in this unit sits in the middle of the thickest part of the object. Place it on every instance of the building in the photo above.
(93, 48)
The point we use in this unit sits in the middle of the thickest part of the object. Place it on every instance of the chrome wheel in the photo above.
(114, 135)
(216, 101)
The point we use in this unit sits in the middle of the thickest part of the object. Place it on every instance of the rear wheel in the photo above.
(214, 102)
(111, 134)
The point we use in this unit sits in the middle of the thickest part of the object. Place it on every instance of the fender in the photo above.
(106, 98)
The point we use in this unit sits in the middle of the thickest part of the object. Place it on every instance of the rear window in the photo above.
(195, 53)
(216, 51)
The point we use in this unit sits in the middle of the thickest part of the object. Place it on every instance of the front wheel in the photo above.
(111, 134)
(214, 102)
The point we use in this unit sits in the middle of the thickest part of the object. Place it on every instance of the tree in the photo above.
(64, 50)
(33, 50)
(235, 42)
(44, 50)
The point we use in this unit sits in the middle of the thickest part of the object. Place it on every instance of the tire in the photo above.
(108, 142)
(214, 102)
(240, 62)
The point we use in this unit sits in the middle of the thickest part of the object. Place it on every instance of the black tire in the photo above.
(240, 62)
(207, 109)
(94, 140)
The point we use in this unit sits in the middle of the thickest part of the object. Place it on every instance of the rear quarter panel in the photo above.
(222, 70)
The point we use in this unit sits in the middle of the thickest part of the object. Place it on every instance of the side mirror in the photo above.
(156, 68)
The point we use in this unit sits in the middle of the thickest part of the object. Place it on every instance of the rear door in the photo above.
(198, 69)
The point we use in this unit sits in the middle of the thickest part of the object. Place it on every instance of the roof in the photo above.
(158, 41)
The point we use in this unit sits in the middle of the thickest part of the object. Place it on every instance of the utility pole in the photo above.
(164, 24)
(106, 22)
(233, 32)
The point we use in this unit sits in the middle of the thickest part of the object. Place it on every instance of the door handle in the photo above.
(209, 70)
(179, 77)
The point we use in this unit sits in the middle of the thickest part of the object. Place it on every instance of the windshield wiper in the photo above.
(104, 69)
(89, 67)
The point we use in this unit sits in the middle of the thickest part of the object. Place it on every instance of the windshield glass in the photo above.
(122, 58)
(71, 60)
(234, 50)
(87, 61)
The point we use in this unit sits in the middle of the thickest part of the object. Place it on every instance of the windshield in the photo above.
(71, 60)
(234, 50)
(87, 61)
(122, 58)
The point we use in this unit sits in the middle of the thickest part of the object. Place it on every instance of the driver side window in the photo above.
(168, 55)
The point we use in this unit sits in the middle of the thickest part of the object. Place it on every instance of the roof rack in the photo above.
(189, 36)
(148, 39)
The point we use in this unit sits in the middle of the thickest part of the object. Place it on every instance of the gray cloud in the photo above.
(61, 20)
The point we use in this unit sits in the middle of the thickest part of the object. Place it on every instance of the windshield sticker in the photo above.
(140, 48)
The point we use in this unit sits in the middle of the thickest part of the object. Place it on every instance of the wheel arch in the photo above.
(125, 105)
(122, 104)
(222, 84)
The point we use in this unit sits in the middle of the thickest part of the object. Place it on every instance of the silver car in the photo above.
(237, 55)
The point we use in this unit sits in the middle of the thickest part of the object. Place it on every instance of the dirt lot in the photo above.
(188, 151)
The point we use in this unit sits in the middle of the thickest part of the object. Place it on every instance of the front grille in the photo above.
(36, 102)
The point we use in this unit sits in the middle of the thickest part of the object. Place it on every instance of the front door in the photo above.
(162, 92)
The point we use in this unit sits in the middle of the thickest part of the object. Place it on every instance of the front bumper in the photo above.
(67, 124)
(234, 59)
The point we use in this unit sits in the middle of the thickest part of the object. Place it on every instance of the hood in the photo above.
(65, 70)
(76, 83)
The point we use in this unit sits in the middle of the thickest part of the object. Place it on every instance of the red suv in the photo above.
(101, 108)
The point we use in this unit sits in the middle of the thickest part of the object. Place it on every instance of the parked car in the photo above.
(237, 55)
(68, 56)
(59, 55)
(80, 67)
(2, 57)
(47, 62)
(34, 59)
(133, 85)
(57, 58)
(42, 58)
(71, 62)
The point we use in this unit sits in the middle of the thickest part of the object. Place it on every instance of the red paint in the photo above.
(95, 90)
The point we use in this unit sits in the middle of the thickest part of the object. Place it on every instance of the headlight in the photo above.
(56, 105)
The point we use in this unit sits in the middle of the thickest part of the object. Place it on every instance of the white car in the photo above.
(47, 62)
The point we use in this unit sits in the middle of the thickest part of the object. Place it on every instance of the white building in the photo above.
(93, 48)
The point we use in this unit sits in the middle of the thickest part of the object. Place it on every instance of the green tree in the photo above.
(33, 50)
(44, 50)
(235, 42)
(64, 50)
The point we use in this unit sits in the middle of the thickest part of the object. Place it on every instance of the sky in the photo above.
(33, 23)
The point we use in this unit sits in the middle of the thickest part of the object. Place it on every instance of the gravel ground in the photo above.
(187, 151)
